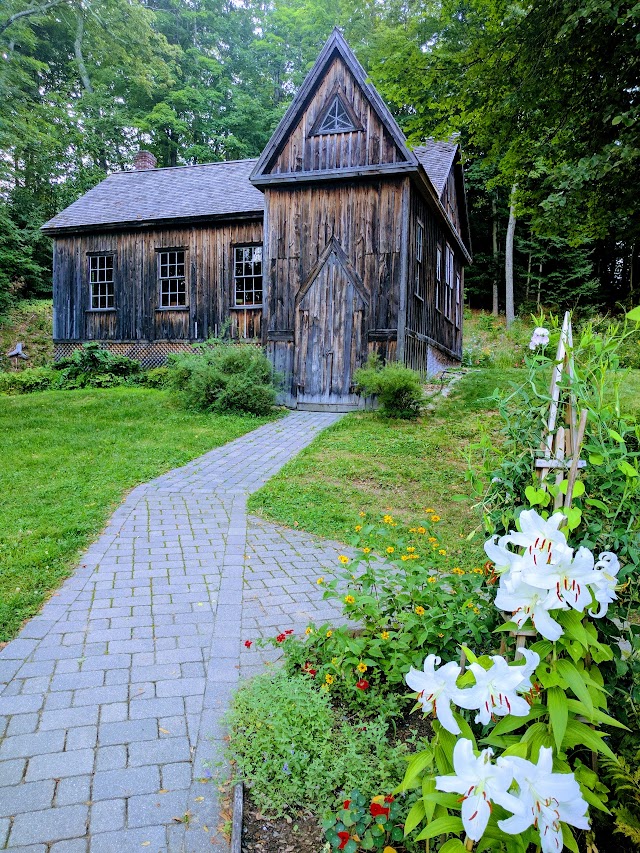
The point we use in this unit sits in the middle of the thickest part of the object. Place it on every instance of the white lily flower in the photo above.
(547, 799)
(604, 584)
(496, 689)
(437, 689)
(504, 560)
(525, 602)
(480, 782)
(569, 580)
(541, 538)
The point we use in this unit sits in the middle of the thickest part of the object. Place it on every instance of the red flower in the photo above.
(344, 837)
(346, 804)
(281, 638)
(309, 669)
(378, 811)
(248, 643)
(388, 798)
(290, 631)
(362, 684)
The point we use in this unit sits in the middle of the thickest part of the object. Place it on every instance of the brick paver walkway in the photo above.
(111, 698)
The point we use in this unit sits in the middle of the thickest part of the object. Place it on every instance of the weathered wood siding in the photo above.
(209, 272)
(426, 322)
(449, 200)
(372, 145)
(365, 220)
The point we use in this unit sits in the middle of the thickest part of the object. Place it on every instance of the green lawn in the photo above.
(367, 463)
(68, 458)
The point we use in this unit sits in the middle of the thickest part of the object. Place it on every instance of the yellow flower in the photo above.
(414, 556)
(442, 551)
(385, 635)
(457, 571)
(476, 610)
(362, 667)
(324, 687)
(388, 519)
(329, 633)
(420, 610)
(405, 557)
(366, 550)
(358, 528)
(328, 678)
(432, 539)
(389, 849)
(349, 599)
(334, 661)
(390, 550)
(362, 514)
(308, 631)
(477, 571)
(441, 635)
(320, 581)
(428, 510)
(413, 530)
(432, 579)
(422, 530)
(435, 518)
(410, 550)
(344, 560)
(470, 604)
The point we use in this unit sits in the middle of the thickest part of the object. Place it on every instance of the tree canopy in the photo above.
(543, 95)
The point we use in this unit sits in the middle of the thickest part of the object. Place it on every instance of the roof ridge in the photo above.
(185, 166)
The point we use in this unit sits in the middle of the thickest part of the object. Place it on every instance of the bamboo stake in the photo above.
(573, 471)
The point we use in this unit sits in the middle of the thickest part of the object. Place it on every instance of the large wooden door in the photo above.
(329, 335)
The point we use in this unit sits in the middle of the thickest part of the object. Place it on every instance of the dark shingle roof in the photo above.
(186, 192)
(214, 189)
(437, 159)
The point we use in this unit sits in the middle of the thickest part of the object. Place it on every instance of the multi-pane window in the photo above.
(172, 279)
(101, 282)
(336, 119)
(419, 256)
(449, 283)
(247, 276)
(438, 275)
(458, 299)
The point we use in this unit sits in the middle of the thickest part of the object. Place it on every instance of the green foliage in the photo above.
(623, 776)
(363, 825)
(26, 381)
(156, 377)
(487, 343)
(406, 604)
(295, 751)
(93, 366)
(224, 377)
(398, 388)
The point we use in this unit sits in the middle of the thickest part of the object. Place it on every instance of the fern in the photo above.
(624, 780)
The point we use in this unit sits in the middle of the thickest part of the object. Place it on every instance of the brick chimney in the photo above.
(144, 160)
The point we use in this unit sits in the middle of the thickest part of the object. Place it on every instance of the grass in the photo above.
(69, 457)
(29, 321)
(367, 463)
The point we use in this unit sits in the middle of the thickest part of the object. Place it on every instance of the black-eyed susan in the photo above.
(362, 667)
(420, 610)
(349, 599)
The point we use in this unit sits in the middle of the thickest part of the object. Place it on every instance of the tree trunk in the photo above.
(494, 228)
(77, 47)
(528, 278)
(539, 296)
(508, 260)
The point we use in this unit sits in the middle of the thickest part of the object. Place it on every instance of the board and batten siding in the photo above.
(137, 316)
(365, 219)
(426, 323)
(370, 145)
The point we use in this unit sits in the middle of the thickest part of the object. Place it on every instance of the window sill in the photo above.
(173, 308)
(246, 307)
(101, 311)
(418, 296)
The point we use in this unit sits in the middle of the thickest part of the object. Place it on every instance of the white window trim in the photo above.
(236, 278)
(161, 305)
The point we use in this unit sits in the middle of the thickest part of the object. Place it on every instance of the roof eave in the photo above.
(138, 224)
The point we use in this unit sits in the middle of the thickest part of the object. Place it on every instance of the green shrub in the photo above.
(93, 366)
(294, 752)
(26, 381)
(157, 377)
(224, 377)
(398, 388)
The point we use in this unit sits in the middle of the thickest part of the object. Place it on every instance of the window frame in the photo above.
(419, 288)
(91, 258)
(242, 247)
(168, 251)
(439, 259)
(458, 297)
(336, 95)
(449, 283)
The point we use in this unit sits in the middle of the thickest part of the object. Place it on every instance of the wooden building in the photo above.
(337, 242)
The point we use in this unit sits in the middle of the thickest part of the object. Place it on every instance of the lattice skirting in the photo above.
(148, 353)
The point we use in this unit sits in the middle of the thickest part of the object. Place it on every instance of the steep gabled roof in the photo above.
(334, 46)
(437, 159)
(214, 190)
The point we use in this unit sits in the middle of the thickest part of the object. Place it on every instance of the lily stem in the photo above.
(468, 844)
